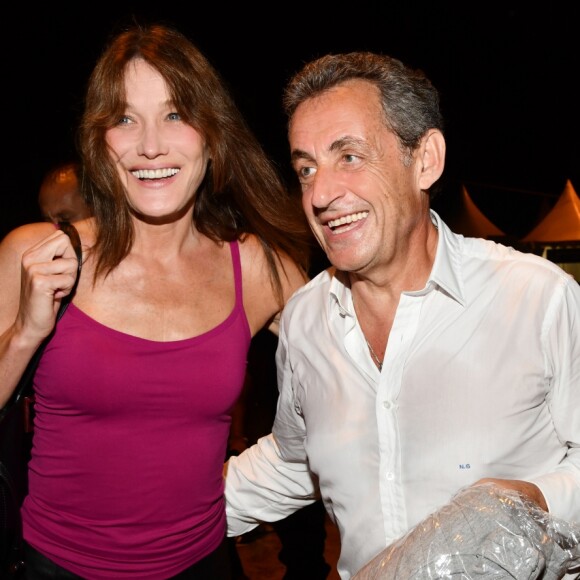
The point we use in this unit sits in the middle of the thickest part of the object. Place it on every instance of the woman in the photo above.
(194, 246)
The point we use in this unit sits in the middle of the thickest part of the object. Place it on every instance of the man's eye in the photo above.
(305, 172)
(350, 158)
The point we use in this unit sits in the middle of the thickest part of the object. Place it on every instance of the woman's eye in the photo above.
(174, 117)
(124, 120)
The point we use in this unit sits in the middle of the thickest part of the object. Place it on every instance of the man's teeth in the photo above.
(348, 219)
(155, 173)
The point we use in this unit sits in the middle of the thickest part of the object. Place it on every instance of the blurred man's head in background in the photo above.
(59, 196)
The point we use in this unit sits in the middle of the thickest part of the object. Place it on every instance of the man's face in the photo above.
(60, 199)
(360, 191)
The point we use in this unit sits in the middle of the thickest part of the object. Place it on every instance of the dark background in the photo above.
(508, 78)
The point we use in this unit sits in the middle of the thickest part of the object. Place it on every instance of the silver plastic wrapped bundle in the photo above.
(483, 532)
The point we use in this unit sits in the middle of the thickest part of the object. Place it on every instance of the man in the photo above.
(422, 362)
(59, 196)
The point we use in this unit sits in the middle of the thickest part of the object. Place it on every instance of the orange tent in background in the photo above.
(470, 221)
(562, 223)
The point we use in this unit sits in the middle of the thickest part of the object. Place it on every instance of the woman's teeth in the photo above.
(155, 173)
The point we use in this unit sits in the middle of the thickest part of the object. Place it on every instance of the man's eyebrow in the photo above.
(337, 145)
(300, 154)
(347, 141)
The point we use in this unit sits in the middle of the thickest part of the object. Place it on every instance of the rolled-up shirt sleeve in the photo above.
(262, 485)
(561, 338)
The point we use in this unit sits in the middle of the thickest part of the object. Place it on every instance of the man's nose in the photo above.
(325, 188)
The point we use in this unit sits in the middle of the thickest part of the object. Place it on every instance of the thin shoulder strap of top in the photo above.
(25, 384)
(235, 251)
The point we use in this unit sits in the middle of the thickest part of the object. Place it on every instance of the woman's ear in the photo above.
(432, 158)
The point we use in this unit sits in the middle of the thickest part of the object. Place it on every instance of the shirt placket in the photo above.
(389, 385)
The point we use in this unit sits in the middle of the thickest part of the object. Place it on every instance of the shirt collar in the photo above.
(446, 271)
(445, 274)
(340, 294)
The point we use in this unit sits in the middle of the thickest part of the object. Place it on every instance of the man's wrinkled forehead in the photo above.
(345, 113)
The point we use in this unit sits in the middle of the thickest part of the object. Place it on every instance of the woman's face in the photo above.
(161, 160)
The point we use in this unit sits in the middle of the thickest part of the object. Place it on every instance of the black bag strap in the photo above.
(24, 386)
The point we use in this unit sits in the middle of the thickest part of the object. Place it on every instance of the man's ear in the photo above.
(432, 158)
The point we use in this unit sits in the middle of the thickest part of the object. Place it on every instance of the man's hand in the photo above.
(525, 488)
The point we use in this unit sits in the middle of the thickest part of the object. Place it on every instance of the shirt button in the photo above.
(387, 404)
(390, 476)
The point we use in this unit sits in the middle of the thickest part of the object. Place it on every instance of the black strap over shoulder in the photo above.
(75, 239)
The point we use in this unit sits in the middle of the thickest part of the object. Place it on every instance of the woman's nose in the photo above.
(152, 143)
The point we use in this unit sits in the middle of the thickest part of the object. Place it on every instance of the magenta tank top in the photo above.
(129, 444)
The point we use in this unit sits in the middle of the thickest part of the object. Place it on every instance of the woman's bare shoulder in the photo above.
(254, 259)
(260, 296)
(25, 236)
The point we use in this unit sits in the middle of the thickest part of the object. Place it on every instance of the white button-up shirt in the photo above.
(481, 378)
